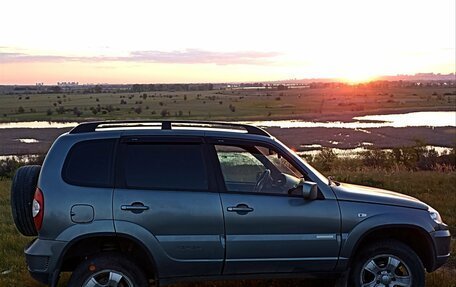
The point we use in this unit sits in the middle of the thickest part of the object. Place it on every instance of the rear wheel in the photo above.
(387, 264)
(108, 270)
(22, 192)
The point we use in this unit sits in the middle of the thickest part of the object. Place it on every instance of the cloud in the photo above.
(188, 56)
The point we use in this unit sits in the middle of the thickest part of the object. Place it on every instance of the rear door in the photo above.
(166, 187)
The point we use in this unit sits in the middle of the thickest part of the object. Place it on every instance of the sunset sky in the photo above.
(222, 41)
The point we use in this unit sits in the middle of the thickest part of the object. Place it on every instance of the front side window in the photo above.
(250, 168)
(89, 163)
(165, 166)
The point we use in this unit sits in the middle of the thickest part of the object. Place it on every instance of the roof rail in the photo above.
(165, 125)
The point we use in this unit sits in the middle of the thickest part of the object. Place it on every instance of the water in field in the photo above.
(28, 141)
(353, 152)
(22, 158)
(37, 125)
(415, 119)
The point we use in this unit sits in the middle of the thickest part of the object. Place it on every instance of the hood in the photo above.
(352, 192)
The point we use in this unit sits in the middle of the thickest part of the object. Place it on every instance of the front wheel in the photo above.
(108, 270)
(387, 264)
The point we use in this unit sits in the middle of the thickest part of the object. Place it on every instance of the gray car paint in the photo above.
(283, 234)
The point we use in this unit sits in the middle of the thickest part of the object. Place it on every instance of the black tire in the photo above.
(100, 266)
(22, 192)
(387, 251)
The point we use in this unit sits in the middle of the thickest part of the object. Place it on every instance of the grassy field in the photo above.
(305, 103)
(436, 188)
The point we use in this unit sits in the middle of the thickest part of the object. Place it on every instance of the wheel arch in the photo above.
(417, 238)
(95, 243)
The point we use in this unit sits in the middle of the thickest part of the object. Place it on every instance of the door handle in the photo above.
(241, 208)
(136, 207)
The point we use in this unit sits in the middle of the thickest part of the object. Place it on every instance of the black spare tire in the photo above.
(22, 192)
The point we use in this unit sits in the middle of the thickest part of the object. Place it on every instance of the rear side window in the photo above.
(165, 166)
(89, 163)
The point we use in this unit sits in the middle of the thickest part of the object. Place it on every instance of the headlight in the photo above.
(435, 215)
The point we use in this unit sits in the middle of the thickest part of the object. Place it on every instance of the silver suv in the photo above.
(141, 203)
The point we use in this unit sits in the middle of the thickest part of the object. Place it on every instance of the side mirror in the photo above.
(309, 190)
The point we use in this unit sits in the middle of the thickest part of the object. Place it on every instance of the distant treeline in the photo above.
(8, 166)
(171, 87)
(119, 88)
(413, 158)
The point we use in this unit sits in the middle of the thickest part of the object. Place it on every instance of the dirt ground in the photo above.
(385, 137)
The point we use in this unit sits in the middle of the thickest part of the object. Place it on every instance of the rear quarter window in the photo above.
(90, 163)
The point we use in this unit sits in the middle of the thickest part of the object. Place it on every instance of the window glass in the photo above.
(239, 165)
(89, 163)
(256, 169)
(165, 166)
(280, 162)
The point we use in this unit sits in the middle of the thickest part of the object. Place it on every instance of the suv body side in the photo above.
(216, 243)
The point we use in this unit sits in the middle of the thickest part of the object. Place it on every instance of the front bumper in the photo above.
(42, 259)
(442, 247)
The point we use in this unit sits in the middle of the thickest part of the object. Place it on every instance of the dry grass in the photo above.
(437, 189)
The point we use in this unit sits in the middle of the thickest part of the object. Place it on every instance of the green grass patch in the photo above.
(435, 188)
(223, 104)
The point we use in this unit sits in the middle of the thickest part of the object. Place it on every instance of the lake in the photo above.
(414, 119)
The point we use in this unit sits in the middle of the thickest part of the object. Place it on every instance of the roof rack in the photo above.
(165, 125)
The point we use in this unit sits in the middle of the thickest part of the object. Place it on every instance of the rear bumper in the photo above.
(42, 259)
(442, 245)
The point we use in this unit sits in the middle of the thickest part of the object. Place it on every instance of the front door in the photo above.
(269, 226)
(166, 195)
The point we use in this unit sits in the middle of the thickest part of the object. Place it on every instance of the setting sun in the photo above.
(357, 77)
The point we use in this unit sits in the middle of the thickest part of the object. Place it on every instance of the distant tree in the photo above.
(56, 89)
(77, 112)
(49, 112)
(164, 113)
(97, 89)
(20, 110)
(109, 108)
(60, 110)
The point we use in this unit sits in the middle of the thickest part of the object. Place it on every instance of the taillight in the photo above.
(38, 208)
